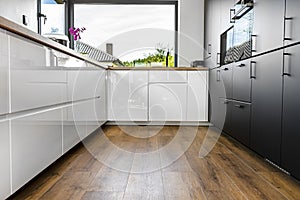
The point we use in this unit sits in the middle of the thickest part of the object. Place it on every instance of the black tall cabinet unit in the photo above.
(291, 112)
(266, 105)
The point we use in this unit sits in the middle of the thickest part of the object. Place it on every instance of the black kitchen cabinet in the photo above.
(240, 121)
(217, 112)
(268, 25)
(291, 112)
(266, 105)
(241, 86)
(292, 21)
(225, 107)
(226, 76)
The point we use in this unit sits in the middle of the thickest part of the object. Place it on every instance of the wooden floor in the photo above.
(229, 171)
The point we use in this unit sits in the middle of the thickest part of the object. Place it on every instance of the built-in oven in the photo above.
(236, 42)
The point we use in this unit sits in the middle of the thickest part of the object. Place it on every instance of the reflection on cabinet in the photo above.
(36, 142)
(4, 60)
(290, 156)
(128, 95)
(241, 81)
(197, 104)
(5, 160)
(167, 102)
(266, 106)
(268, 26)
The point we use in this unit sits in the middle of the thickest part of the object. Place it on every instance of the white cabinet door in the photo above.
(32, 88)
(197, 105)
(4, 60)
(36, 142)
(128, 95)
(167, 102)
(5, 160)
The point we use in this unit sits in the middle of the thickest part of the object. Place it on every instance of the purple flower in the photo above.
(76, 32)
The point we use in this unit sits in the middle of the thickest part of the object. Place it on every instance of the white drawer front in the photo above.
(168, 76)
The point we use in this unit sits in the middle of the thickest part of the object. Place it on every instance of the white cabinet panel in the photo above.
(4, 60)
(5, 160)
(24, 53)
(128, 95)
(37, 88)
(197, 105)
(83, 84)
(167, 102)
(36, 142)
(168, 76)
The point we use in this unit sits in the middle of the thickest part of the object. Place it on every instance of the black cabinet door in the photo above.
(267, 105)
(292, 21)
(225, 106)
(291, 113)
(226, 75)
(240, 121)
(216, 90)
(268, 24)
(241, 90)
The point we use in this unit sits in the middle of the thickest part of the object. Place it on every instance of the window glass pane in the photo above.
(55, 23)
(135, 31)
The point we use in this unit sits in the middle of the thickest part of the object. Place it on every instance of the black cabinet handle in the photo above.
(288, 28)
(287, 64)
(239, 106)
(252, 70)
(232, 13)
(225, 69)
(218, 58)
(253, 43)
(241, 65)
(209, 49)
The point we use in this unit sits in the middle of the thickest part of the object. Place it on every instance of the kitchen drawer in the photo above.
(226, 76)
(36, 142)
(241, 90)
(36, 88)
(168, 76)
(240, 121)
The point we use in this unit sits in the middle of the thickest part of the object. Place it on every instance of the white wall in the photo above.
(191, 31)
(14, 9)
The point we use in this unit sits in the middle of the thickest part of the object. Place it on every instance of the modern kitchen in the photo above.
(149, 99)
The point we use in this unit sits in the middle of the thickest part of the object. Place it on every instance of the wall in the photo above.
(191, 31)
(14, 9)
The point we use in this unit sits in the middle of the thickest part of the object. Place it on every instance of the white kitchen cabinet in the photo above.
(32, 88)
(36, 142)
(167, 76)
(4, 80)
(167, 102)
(128, 95)
(197, 105)
(5, 189)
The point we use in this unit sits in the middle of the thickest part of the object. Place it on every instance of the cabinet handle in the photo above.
(218, 75)
(218, 58)
(225, 102)
(241, 65)
(56, 60)
(225, 69)
(209, 49)
(287, 64)
(252, 70)
(288, 28)
(239, 106)
(232, 13)
(254, 43)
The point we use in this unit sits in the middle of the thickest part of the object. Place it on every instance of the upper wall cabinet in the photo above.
(292, 21)
(268, 25)
(4, 60)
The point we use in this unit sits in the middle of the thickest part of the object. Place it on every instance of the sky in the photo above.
(131, 28)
